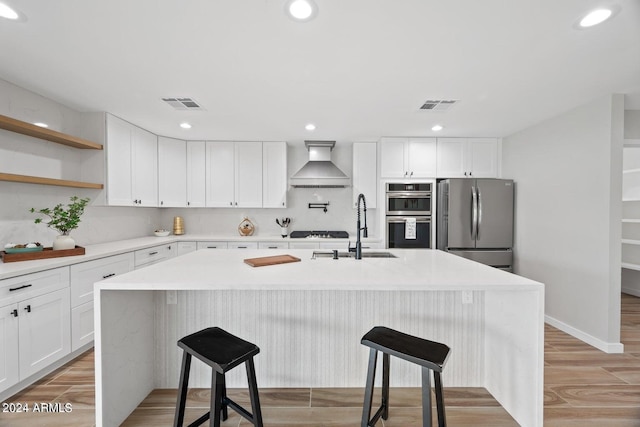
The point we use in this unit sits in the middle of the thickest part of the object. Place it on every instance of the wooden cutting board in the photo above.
(270, 260)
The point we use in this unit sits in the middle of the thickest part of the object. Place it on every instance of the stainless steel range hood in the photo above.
(319, 171)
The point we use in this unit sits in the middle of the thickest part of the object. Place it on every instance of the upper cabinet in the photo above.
(172, 172)
(132, 164)
(234, 174)
(196, 174)
(467, 157)
(407, 158)
(274, 175)
(365, 174)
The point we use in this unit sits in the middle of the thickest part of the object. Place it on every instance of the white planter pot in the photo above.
(63, 242)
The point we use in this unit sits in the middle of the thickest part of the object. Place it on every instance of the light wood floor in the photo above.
(583, 387)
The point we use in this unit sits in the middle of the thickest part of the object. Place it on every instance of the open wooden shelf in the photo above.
(24, 128)
(48, 181)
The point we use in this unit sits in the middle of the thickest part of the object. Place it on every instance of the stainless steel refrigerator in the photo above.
(475, 219)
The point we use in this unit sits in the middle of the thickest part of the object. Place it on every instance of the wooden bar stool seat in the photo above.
(223, 352)
(431, 355)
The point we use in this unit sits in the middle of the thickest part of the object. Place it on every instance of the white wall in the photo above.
(20, 154)
(568, 190)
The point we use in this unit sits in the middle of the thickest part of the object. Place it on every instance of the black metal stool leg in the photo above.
(182, 389)
(442, 422)
(225, 413)
(217, 380)
(253, 392)
(426, 397)
(385, 385)
(368, 391)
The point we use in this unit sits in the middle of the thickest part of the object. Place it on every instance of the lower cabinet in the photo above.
(186, 247)
(9, 355)
(82, 325)
(273, 245)
(154, 255)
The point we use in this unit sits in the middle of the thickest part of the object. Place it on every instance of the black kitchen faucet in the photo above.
(365, 232)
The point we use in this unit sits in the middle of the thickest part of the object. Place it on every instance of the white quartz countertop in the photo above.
(18, 268)
(412, 270)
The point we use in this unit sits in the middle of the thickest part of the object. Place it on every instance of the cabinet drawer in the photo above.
(186, 247)
(212, 245)
(243, 245)
(145, 257)
(273, 245)
(31, 285)
(84, 275)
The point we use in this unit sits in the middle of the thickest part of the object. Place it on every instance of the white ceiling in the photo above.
(360, 70)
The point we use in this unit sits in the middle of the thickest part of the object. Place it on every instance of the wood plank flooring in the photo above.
(583, 387)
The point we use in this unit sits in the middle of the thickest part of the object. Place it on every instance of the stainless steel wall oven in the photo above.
(408, 215)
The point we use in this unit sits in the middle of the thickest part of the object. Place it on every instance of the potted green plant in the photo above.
(64, 220)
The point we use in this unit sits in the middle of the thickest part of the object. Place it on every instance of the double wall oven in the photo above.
(408, 215)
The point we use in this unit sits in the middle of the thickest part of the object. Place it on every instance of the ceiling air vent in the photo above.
(439, 104)
(183, 103)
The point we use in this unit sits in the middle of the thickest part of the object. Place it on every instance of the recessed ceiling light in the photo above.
(11, 13)
(42, 125)
(437, 128)
(301, 10)
(185, 125)
(595, 17)
(310, 127)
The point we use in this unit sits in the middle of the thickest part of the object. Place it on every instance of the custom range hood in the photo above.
(319, 171)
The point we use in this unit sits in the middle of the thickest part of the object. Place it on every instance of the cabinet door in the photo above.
(45, 331)
(9, 361)
(365, 173)
(483, 157)
(81, 325)
(212, 245)
(421, 157)
(172, 172)
(274, 174)
(451, 155)
(392, 158)
(242, 245)
(196, 174)
(186, 247)
(248, 174)
(145, 167)
(118, 147)
(220, 171)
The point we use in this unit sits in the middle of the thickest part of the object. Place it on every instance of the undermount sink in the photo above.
(342, 254)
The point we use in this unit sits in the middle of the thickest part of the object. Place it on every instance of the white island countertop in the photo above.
(308, 317)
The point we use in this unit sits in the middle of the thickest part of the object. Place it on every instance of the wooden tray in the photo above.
(44, 254)
(270, 260)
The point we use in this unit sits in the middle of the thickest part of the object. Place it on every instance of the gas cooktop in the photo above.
(319, 234)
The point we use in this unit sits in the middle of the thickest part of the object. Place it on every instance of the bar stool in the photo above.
(223, 352)
(429, 354)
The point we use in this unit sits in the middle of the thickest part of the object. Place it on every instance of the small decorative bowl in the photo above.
(161, 233)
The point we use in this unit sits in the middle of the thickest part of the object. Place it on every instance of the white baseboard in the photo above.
(607, 347)
(631, 291)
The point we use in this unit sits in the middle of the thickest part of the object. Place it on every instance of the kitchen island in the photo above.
(308, 317)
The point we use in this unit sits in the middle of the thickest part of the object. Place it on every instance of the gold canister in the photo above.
(178, 225)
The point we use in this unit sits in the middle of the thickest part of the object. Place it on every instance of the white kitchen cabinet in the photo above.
(196, 174)
(153, 255)
(9, 355)
(172, 172)
(467, 157)
(408, 158)
(217, 244)
(132, 164)
(234, 174)
(186, 247)
(273, 245)
(365, 173)
(82, 278)
(274, 175)
(242, 245)
(304, 245)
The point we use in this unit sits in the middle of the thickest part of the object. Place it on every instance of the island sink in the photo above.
(340, 254)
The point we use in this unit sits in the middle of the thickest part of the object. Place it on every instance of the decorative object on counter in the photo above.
(322, 206)
(13, 248)
(270, 260)
(284, 226)
(178, 225)
(246, 227)
(161, 232)
(45, 253)
(64, 220)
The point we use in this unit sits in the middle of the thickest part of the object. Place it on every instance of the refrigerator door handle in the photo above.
(474, 213)
(479, 201)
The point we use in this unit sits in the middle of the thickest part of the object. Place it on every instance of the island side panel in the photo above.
(124, 353)
(515, 353)
(312, 338)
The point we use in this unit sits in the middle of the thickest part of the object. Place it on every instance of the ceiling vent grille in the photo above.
(183, 103)
(439, 104)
